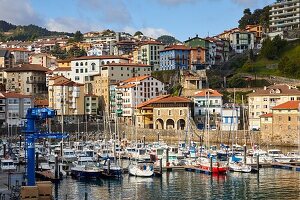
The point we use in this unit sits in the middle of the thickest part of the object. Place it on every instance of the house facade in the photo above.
(261, 102)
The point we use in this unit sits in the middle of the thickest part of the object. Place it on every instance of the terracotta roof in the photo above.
(127, 86)
(212, 93)
(146, 103)
(267, 115)
(99, 57)
(67, 83)
(28, 67)
(135, 79)
(290, 105)
(150, 42)
(62, 69)
(18, 49)
(127, 64)
(276, 90)
(13, 95)
(174, 99)
(176, 47)
(41, 103)
(56, 77)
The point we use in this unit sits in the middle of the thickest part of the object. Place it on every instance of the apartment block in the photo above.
(284, 16)
(262, 101)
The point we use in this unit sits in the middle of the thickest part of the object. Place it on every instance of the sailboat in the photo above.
(236, 164)
(140, 168)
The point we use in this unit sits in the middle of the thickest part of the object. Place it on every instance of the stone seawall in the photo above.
(175, 136)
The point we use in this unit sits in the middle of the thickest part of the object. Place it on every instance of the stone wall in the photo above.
(175, 136)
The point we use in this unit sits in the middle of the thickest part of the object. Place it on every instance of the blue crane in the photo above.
(34, 115)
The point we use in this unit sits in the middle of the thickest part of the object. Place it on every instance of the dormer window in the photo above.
(272, 91)
(278, 91)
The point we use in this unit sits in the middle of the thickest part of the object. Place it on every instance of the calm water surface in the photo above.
(271, 184)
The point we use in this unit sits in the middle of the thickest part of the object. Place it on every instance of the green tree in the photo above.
(167, 39)
(138, 33)
(58, 52)
(76, 52)
(78, 36)
(237, 82)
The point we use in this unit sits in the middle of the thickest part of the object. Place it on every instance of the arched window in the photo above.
(81, 64)
(93, 66)
(76, 64)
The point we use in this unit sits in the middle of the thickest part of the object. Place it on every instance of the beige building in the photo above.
(6, 59)
(114, 73)
(280, 127)
(172, 113)
(64, 63)
(91, 105)
(262, 101)
(67, 97)
(27, 79)
(148, 53)
(43, 59)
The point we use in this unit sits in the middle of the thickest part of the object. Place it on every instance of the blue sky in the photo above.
(180, 18)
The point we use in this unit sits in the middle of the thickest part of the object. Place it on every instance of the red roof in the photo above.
(151, 101)
(135, 79)
(267, 115)
(174, 99)
(28, 67)
(67, 83)
(127, 64)
(290, 105)
(127, 86)
(62, 69)
(208, 92)
(41, 103)
(176, 47)
(99, 57)
(13, 95)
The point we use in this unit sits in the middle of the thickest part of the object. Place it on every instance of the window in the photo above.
(265, 99)
(76, 64)
(292, 98)
(158, 112)
(170, 112)
(27, 89)
(81, 70)
(76, 78)
(81, 64)
(289, 118)
(180, 112)
(266, 119)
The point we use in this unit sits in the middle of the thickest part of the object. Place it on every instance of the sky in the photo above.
(179, 18)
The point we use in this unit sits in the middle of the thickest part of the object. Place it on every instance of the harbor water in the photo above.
(268, 184)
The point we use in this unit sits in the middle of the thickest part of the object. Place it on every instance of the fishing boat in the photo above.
(111, 170)
(69, 155)
(278, 156)
(85, 167)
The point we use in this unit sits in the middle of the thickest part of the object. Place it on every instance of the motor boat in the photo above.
(141, 168)
(85, 167)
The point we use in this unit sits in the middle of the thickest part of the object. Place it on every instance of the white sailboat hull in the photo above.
(140, 171)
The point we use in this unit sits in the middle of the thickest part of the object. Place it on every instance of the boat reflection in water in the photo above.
(188, 185)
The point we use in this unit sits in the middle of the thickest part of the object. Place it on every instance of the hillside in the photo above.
(286, 64)
(9, 31)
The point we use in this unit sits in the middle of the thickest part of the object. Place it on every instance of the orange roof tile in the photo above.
(28, 67)
(127, 64)
(276, 90)
(13, 95)
(174, 99)
(208, 92)
(176, 47)
(62, 69)
(127, 86)
(146, 103)
(67, 83)
(267, 115)
(41, 102)
(99, 57)
(290, 105)
(135, 79)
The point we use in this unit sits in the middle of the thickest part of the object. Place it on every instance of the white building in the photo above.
(206, 102)
(230, 117)
(284, 16)
(84, 68)
(242, 40)
(134, 91)
(94, 51)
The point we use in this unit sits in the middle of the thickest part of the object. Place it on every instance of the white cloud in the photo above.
(68, 24)
(19, 12)
(108, 11)
(148, 31)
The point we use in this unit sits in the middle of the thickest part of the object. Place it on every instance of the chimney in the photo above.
(265, 87)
